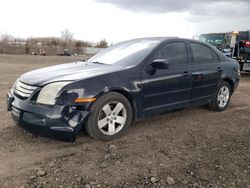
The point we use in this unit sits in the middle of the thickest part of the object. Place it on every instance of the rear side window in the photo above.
(203, 54)
(175, 53)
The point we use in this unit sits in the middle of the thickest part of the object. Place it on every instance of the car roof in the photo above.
(161, 39)
(165, 39)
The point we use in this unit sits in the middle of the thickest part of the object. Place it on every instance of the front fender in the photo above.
(80, 89)
(126, 81)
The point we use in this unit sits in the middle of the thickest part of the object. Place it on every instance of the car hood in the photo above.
(67, 72)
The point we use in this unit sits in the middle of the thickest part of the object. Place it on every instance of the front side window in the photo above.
(202, 53)
(175, 53)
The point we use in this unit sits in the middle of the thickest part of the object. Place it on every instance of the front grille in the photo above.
(23, 90)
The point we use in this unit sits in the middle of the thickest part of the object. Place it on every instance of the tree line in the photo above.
(52, 45)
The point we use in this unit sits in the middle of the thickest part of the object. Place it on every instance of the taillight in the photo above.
(247, 43)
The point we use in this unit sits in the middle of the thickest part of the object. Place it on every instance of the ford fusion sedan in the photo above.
(126, 82)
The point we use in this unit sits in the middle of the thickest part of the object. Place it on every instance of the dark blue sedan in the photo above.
(127, 81)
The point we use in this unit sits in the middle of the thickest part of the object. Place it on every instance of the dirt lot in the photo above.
(193, 147)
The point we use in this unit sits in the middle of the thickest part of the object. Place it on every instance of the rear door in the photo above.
(206, 71)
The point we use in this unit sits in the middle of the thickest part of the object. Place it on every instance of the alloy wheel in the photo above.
(223, 96)
(112, 117)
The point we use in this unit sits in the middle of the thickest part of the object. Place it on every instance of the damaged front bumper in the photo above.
(58, 121)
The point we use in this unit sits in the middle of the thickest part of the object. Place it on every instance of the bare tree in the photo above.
(5, 38)
(5, 41)
(66, 37)
(27, 48)
(102, 44)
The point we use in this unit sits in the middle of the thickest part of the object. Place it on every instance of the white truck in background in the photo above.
(234, 44)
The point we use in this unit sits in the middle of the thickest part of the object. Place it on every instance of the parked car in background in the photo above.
(34, 53)
(128, 81)
(66, 52)
(42, 52)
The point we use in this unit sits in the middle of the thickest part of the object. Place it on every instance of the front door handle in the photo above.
(198, 74)
(186, 73)
(219, 69)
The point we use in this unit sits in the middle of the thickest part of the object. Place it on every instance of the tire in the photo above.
(223, 93)
(111, 116)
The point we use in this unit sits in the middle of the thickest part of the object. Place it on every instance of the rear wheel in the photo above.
(241, 66)
(221, 97)
(111, 116)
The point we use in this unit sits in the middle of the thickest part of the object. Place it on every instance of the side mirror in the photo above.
(160, 64)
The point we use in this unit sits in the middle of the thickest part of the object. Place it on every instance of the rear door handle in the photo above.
(197, 74)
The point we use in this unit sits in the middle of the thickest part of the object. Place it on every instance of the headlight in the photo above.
(49, 92)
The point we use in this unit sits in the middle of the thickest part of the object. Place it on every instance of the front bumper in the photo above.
(59, 122)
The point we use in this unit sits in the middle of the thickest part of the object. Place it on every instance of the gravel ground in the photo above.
(192, 147)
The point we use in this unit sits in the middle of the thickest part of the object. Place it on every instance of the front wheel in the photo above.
(111, 116)
(221, 97)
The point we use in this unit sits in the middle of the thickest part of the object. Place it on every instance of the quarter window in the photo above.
(175, 53)
(203, 54)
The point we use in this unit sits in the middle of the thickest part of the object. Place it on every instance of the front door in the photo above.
(166, 89)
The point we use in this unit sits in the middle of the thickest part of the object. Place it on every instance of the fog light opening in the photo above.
(73, 117)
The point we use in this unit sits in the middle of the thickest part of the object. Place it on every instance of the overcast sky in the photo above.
(118, 20)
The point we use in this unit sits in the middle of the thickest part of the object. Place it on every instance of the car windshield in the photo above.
(214, 39)
(126, 53)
